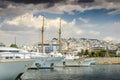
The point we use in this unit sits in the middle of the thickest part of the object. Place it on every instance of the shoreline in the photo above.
(107, 60)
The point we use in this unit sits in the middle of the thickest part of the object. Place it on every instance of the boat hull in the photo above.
(71, 62)
(87, 62)
(79, 62)
(10, 69)
(48, 61)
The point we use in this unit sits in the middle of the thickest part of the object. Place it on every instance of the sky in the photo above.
(94, 19)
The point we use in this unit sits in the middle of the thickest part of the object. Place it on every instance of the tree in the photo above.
(2, 44)
(92, 54)
(100, 53)
(14, 45)
(86, 52)
(79, 54)
(112, 55)
(82, 51)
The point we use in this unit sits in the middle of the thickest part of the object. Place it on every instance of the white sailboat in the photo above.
(46, 60)
(11, 65)
(43, 59)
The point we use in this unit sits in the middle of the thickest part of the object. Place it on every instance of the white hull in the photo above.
(80, 62)
(87, 62)
(72, 62)
(48, 61)
(10, 69)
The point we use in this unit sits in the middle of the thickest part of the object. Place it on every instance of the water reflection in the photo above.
(96, 72)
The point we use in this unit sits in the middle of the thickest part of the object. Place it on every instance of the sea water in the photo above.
(94, 72)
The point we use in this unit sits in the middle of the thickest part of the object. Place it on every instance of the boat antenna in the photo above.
(43, 35)
(60, 49)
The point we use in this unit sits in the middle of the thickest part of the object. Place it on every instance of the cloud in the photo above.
(97, 4)
(22, 38)
(114, 12)
(86, 23)
(29, 22)
(89, 25)
(88, 33)
(94, 33)
(26, 20)
(11, 8)
(49, 1)
(27, 27)
(84, 20)
(18, 18)
(116, 1)
(110, 31)
(34, 1)
(112, 28)
(7, 27)
(113, 39)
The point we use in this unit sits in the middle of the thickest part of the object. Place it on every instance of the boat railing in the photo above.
(9, 55)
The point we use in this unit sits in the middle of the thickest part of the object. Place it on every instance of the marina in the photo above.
(59, 39)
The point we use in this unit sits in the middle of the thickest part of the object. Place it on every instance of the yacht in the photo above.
(11, 63)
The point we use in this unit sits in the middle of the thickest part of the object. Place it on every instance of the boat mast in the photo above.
(43, 36)
(15, 40)
(60, 37)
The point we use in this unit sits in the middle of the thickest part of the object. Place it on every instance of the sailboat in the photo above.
(43, 59)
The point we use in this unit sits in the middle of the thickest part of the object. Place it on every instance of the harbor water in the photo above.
(94, 72)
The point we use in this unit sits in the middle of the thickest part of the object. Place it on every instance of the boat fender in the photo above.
(64, 63)
(52, 65)
(37, 65)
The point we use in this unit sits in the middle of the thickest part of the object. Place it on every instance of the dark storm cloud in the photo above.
(46, 1)
(34, 1)
(17, 7)
(113, 0)
(14, 8)
(42, 1)
(3, 4)
(85, 1)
